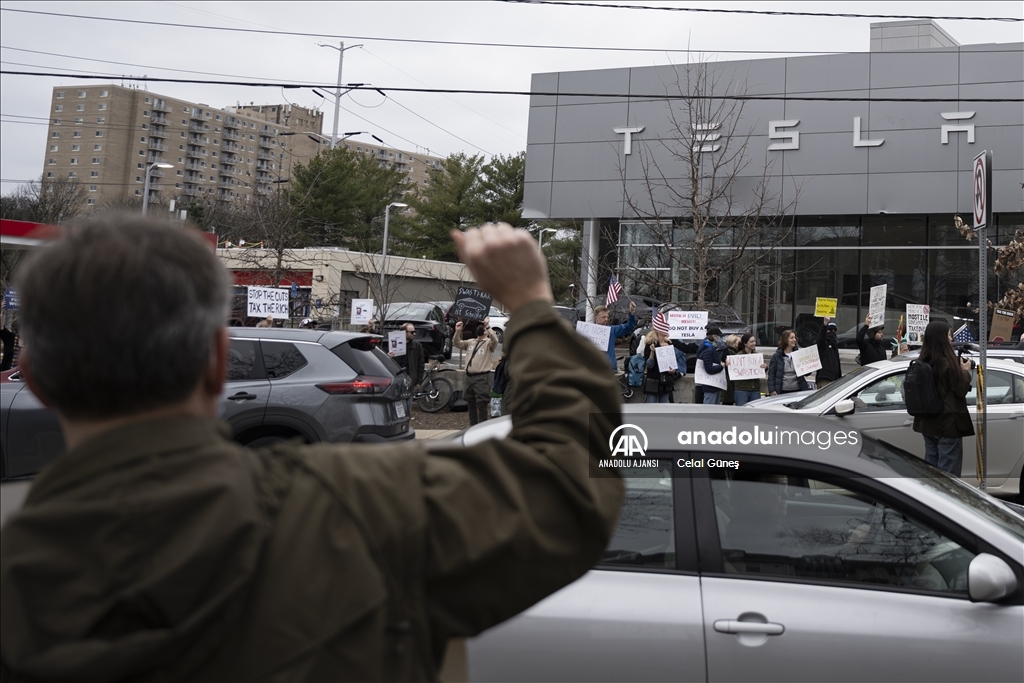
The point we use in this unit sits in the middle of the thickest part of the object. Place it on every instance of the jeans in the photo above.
(658, 398)
(744, 397)
(945, 452)
(712, 397)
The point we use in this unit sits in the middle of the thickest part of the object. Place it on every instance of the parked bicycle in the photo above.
(433, 393)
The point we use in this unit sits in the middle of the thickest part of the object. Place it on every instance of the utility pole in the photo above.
(337, 96)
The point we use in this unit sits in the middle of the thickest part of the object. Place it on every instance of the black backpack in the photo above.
(919, 392)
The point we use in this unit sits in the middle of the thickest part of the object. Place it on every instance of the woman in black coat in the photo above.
(782, 378)
(943, 433)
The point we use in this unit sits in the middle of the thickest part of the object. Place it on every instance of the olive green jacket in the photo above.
(165, 551)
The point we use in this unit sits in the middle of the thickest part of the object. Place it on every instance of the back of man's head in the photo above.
(120, 317)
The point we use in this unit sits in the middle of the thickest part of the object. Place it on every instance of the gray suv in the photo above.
(282, 384)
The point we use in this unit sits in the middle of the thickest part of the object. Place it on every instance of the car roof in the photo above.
(328, 339)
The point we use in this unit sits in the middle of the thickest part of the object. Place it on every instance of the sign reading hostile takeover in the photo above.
(746, 366)
(267, 301)
(687, 324)
(917, 321)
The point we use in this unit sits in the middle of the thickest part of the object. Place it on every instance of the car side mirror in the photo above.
(845, 407)
(989, 578)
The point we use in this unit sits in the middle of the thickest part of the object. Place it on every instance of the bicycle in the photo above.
(433, 393)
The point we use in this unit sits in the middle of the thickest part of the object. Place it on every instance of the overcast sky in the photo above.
(442, 124)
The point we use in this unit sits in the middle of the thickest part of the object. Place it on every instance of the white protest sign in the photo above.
(719, 380)
(396, 343)
(599, 335)
(746, 366)
(687, 324)
(876, 306)
(806, 361)
(917, 321)
(666, 358)
(261, 302)
(362, 311)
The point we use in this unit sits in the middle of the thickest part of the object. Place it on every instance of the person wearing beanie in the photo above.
(828, 353)
(710, 355)
(869, 341)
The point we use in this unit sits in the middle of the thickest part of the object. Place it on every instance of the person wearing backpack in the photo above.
(944, 431)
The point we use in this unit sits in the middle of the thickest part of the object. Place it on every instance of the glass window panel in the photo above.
(905, 273)
(953, 284)
(776, 523)
(242, 360)
(828, 273)
(645, 534)
(1008, 224)
(889, 231)
(827, 231)
(942, 232)
(281, 359)
(882, 395)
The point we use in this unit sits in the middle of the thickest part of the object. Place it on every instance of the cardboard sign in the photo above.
(470, 304)
(719, 380)
(666, 358)
(11, 299)
(917, 321)
(806, 361)
(825, 307)
(746, 366)
(396, 343)
(876, 306)
(687, 324)
(1002, 325)
(599, 335)
(362, 311)
(267, 301)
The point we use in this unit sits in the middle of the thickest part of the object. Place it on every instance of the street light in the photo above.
(384, 250)
(540, 236)
(145, 191)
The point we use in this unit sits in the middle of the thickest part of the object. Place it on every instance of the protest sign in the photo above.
(805, 361)
(11, 302)
(666, 358)
(825, 308)
(687, 324)
(267, 301)
(719, 380)
(1002, 325)
(362, 311)
(917, 321)
(470, 304)
(876, 306)
(599, 335)
(396, 343)
(746, 366)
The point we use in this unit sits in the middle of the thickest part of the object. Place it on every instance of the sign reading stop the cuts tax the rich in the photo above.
(687, 324)
(267, 301)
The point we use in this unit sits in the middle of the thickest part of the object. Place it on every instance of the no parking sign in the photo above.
(982, 189)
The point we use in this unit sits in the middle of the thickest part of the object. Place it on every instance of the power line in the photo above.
(528, 93)
(601, 48)
(773, 13)
(439, 127)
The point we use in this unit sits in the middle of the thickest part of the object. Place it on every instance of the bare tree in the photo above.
(47, 200)
(708, 217)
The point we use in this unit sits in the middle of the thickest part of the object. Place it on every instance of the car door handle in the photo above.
(242, 396)
(736, 626)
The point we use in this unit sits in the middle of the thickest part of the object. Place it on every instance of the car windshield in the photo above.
(495, 313)
(823, 396)
(908, 466)
(415, 311)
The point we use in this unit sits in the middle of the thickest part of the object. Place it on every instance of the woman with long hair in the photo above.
(658, 385)
(782, 377)
(747, 390)
(943, 433)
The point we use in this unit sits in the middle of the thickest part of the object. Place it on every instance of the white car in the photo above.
(870, 399)
(499, 320)
(778, 563)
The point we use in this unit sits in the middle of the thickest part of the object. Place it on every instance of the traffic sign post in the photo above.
(982, 213)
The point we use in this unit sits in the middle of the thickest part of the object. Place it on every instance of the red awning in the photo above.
(265, 278)
(26, 234)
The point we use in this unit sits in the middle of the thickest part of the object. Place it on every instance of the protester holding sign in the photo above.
(828, 353)
(411, 358)
(601, 317)
(658, 385)
(478, 369)
(732, 347)
(710, 358)
(747, 390)
(782, 377)
(869, 341)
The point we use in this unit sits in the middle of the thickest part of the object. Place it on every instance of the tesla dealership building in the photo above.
(867, 156)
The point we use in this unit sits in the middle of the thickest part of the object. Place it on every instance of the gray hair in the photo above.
(120, 316)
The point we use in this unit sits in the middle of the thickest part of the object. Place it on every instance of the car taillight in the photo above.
(360, 385)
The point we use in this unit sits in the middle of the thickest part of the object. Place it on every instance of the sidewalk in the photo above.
(425, 434)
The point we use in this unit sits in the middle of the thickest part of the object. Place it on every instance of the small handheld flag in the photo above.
(614, 289)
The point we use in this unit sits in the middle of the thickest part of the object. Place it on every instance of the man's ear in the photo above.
(25, 368)
(217, 367)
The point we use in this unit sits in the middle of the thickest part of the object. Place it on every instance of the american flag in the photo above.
(963, 335)
(614, 289)
(660, 322)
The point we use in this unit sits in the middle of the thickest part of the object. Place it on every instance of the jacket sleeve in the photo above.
(512, 520)
(459, 342)
(625, 328)
(492, 340)
(861, 333)
(709, 357)
(774, 378)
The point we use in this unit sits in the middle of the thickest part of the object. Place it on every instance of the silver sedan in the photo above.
(870, 399)
(741, 563)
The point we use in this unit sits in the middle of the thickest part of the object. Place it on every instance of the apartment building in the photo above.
(106, 136)
(416, 165)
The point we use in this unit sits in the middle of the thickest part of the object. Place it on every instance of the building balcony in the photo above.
(157, 145)
(197, 114)
(229, 146)
(158, 132)
(195, 127)
(265, 142)
(189, 192)
(195, 139)
(161, 105)
(158, 119)
(155, 158)
(231, 122)
(225, 185)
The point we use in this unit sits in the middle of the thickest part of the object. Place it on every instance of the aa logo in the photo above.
(628, 440)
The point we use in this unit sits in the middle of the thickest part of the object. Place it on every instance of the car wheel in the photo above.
(500, 335)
